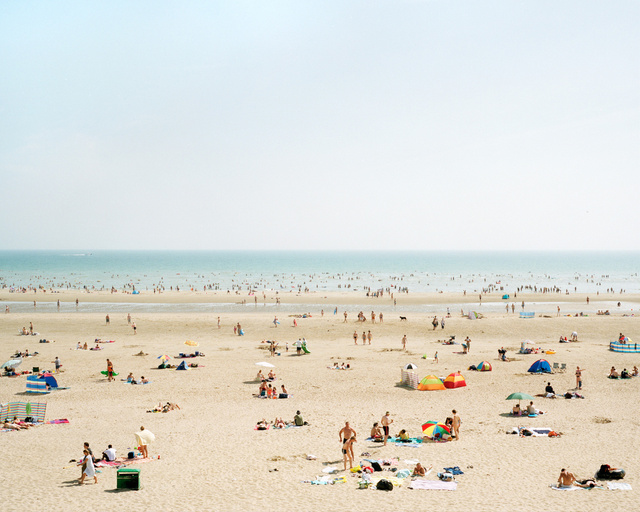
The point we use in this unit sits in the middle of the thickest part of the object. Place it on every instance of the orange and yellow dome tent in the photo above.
(431, 383)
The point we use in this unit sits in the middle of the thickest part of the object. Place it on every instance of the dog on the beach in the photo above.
(403, 318)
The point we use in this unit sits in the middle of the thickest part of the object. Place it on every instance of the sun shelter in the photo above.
(23, 410)
(540, 366)
(409, 376)
(431, 383)
(472, 315)
(49, 380)
(484, 366)
(182, 366)
(436, 431)
(36, 386)
(454, 380)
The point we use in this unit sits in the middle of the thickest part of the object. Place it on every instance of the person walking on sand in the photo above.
(380, 317)
(58, 364)
(345, 317)
(107, 319)
(109, 370)
(128, 318)
(579, 377)
(435, 358)
(275, 321)
(404, 342)
(218, 322)
(135, 328)
(89, 469)
(456, 424)
(369, 337)
(385, 422)
(435, 323)
(355, 337)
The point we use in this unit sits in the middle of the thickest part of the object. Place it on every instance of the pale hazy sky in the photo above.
(320, 125)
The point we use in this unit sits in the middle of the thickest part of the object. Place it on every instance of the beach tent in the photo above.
(473, 315)
(505, 296)
(431, 383)
(410, 366)
(36, 385)
(540, 366)
(182, 366)
(49, 379)
(484, 366)
(454, 380)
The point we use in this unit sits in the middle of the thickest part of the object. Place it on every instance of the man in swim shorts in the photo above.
(566, 479)
(345, 434)
(386, 421)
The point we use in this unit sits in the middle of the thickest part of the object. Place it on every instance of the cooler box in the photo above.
(129, 478)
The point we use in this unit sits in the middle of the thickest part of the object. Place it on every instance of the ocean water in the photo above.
(582, 272)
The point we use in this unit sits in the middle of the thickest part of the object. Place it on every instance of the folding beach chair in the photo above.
(556, 367)
(563, 367)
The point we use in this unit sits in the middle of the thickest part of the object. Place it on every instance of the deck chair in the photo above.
(563, 367)
(556, 367)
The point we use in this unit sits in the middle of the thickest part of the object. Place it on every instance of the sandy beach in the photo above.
(208, 456)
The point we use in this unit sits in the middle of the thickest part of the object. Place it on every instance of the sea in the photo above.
(319, 271)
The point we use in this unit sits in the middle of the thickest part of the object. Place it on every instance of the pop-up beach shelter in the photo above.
(36, 385)
(49, 380)
(182, 366)
(484, 366)
(431, 383)
(540, 366)
(454, 380)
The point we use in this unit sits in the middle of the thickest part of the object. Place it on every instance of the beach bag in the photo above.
(376, 466)
(132, 455)
(384, 485)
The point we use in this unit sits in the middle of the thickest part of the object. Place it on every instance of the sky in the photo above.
(320, 125)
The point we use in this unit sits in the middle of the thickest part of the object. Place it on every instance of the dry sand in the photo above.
(211, 458)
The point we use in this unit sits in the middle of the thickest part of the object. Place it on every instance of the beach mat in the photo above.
(433, 485)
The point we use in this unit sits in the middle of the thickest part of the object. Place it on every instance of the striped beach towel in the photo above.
(23, 410)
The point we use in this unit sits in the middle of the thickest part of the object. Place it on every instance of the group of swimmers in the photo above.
(624, 374)
(17, 424)
(132, 380)
(340, 366)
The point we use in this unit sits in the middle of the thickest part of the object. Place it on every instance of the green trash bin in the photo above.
(129, 478)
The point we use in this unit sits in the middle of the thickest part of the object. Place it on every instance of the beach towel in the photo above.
(618, 486)
(57, 422)
(433, 485)
(572, 488)
(454, 470)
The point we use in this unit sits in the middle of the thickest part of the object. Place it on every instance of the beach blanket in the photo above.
(572, 488)
(109, 341)
(23, 410)
(618, 486)
(435, 485)
(57, 422)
